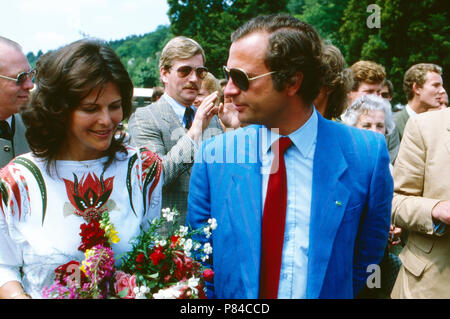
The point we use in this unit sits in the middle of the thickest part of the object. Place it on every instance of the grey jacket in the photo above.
(19, 145)
(158, 128)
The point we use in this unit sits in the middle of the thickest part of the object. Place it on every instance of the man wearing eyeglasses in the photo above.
(302, 204)
(172, 127)
(15, 85)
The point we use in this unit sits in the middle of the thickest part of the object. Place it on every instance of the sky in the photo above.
(49, 24)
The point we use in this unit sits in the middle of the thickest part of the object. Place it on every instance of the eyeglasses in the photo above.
(240, 77)
(22, 77)
(385, 95)
(185, 70)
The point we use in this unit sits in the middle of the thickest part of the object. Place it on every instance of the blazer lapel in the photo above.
(168, 115)
(329, 200)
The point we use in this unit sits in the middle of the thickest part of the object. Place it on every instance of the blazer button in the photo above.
(7, 148)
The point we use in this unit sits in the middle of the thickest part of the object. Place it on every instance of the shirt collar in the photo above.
(178, 108)
(9, 121)
(410, 111)
(303, 138)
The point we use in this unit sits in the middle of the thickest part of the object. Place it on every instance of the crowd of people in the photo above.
(312, 177)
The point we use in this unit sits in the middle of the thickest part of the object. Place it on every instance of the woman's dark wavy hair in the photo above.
(64, 78)
(294, 46)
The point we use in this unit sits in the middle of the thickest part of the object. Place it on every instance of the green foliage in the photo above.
(324, 15)
(140, 55)
(211, 22)
(411, 32)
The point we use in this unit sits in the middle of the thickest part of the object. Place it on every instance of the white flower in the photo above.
(140, 292)
(213, 223)
(168, 214)
(168, 293)
(183, 231)
(193, 283)
(207, 248)
(207, 231)
(188, 245)
(197, 246)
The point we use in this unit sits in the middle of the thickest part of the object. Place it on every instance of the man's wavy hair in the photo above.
(338, 78)
(367, 71)
(294, 46)
(418, 74)
(64, 78)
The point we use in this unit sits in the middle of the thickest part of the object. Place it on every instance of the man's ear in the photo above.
(163, 75)
(294, 84)
(416, 88)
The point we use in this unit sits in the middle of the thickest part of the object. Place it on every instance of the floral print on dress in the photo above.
(89, 195)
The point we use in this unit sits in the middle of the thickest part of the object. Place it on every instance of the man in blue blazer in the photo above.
(336, 214)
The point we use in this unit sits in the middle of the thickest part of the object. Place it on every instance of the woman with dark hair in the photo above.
(79, 168)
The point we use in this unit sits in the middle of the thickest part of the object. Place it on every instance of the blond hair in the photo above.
(367, 71)
(417, 74)
(211, 84)
(179, 48)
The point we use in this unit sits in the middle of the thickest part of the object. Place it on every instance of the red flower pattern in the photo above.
(89, 195)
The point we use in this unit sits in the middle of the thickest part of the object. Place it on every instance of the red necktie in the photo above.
(274, 219)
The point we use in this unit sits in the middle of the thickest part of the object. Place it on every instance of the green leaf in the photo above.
(123, 293)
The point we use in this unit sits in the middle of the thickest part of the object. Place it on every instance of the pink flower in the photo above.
(124, 281)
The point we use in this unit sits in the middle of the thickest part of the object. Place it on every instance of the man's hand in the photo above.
(203, 116)
(441, 212)
(228, 114)
(394, 236)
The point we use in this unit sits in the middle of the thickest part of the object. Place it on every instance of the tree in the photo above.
(410, 33)
(140, 55)
(211, 22)
(324, 15)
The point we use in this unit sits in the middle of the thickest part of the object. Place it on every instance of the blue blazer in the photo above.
(350, 210)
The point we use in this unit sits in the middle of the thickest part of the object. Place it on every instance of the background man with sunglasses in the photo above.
(314, 226)
(172, 127)
(15, 85)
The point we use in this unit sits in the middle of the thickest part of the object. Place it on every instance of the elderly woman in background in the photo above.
(332, 99)
(371, 112)
(79, 168)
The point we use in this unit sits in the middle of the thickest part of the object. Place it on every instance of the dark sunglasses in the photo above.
(22, 77)
(185, 70)
(385, 95)
(240, 77)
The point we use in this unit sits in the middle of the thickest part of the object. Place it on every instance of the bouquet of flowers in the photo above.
(158, 266)
(91, 278)
(166, 266)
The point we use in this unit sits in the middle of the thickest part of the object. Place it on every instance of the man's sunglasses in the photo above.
(240, 77)
(22, 77)
(185, 70)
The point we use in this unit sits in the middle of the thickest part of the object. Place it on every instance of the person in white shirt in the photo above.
(78, 169)
(424, 90)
